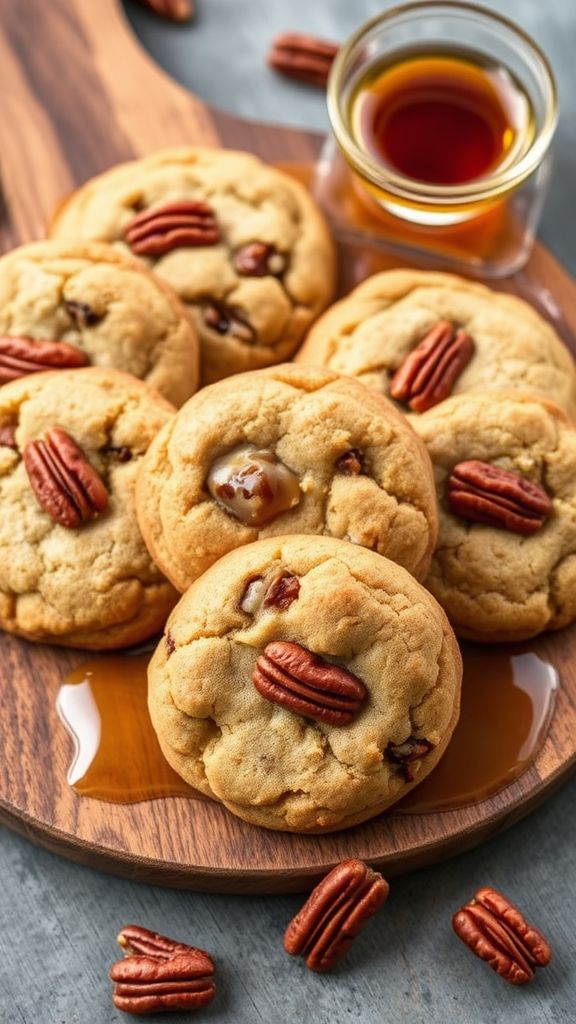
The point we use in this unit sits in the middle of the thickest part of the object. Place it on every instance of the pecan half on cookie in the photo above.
(429, 372)
(65, 484)
(487, 494)
(21, 356)
(163, 228)
(336, 910)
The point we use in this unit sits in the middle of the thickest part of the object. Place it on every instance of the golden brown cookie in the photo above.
(242, 244)
(74, 569)
(306, 683)
(289, 449)
(419, 337)
(505, 468)
(71, 304)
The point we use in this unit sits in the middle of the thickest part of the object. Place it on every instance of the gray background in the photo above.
(58, 921)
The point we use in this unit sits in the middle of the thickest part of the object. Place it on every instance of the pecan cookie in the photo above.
(306, 683)
(242, 244)
(72, 304)
(505, 467)
(74, 569)
(285, 450)
(419, 337)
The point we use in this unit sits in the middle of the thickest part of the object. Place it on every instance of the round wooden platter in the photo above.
(78, 96)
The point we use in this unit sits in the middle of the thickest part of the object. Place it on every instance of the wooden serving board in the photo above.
(78, 95)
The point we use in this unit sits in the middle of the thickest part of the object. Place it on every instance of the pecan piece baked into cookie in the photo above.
(420, 337)
(356, 625)
(242, 244)
(74, 569)
(289, 449)
(72, 304)
(505, 467)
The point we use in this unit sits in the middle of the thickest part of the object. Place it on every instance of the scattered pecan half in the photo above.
(253, 485)
(163, 228)
(495, 930)
(336, 910)
(304, 58)
(430, 370)
(283, 590)
(159, 974)
(290, 675)
(228, 320)
(403, 754)
(482, 493)
(173, 10)
(81, 313)
(65, 485)
(258, 259)
(21, 356)
(350, 463)
(8, 436)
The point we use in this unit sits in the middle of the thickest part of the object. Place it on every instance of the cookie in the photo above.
(306, 683)
(419, 337)
(72, 304)
(74, 569)
(242, 244)
(505, 468)
(289, 449)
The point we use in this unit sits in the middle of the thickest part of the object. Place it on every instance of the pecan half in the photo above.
(258, 259)
(290, 675)
(81, 313)
(336, 910)
(403, 754)
(350, 463)
(159, 230)
(159, 974)
(482, 493)
(225, 319)
(430, 370)
(65, 485)
(495, 930)
(173, 10)
(21, 356)
(253, 485)
(304, 58)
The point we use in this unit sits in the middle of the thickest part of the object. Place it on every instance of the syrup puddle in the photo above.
(508, 698)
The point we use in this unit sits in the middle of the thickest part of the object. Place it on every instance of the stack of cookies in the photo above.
(329, 522)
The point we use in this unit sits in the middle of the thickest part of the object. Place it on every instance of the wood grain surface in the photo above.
(55, 131)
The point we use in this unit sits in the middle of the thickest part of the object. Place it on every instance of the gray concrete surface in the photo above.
(58, 921)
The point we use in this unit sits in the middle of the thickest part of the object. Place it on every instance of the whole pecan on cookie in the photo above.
(290, 675)
(495, 930)
(404, 754)
(21, 356)
(482, 493)
(258, 259)
(163, 228)
(302, 57)
(336, 910)
(65, 484)
(228, 320)
(173, 10)
(159, 974)
(429, 372)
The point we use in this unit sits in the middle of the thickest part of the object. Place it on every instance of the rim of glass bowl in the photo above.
(408, 188)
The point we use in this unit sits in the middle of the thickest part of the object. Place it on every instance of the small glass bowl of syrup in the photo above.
(442, 111)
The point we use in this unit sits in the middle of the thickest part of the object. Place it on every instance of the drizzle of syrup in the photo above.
(508, 697)
(507, 702)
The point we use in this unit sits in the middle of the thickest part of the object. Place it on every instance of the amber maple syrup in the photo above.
(441, 118)
(507, 701)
